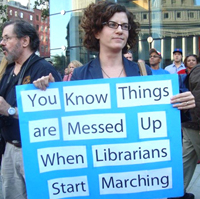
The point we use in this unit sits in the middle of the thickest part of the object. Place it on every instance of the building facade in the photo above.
(171, 23)
(17, 10)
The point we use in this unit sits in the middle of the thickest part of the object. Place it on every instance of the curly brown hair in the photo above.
(96, 14)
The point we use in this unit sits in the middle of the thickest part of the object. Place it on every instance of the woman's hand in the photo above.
(183, 101)
(43, 82)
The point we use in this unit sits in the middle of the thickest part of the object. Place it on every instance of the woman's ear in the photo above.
(97, 36)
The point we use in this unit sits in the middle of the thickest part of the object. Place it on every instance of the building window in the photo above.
(42, 37)
(178, 15)
(46, 38)
(42, 48)
(37, 27)
(173, 1)
(15, 13)
(166, 15)
(31, 17)
(37, 17)
(42, 28)
(144, 16)
(10, 12)
(46, 29)
(46, 49)
(21, 15)
(191, 14)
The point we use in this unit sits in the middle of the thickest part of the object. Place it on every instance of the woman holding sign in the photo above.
(111, 30)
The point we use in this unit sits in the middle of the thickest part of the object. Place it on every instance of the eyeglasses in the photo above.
(154, 56)
(6, 38)
(114, 25)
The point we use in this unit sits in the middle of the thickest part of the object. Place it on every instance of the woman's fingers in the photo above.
(183, 101)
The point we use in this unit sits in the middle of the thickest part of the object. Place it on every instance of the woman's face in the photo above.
(71, 68)
(191, 62)
(111, 39)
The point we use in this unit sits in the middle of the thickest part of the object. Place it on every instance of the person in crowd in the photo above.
(177, 64)
(129, 55)
(3, 66)
(154, 61)
(191, 127)
(191, 146)
(190, 61)
(19, 43)
(110, 29)
(70, 68)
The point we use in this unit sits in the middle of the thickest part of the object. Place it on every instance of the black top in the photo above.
(33, 68)
(92, 70)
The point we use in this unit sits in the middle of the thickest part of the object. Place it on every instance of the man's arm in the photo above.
(194, 86)
(4, 106)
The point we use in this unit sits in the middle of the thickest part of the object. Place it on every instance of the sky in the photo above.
(198, 2)
(58, 24)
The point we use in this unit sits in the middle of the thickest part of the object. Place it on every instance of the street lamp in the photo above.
(62, 12)
(150, 40)
(64, 48)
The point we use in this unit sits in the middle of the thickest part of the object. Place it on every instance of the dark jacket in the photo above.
(194, 87)
(36, 67)
(92, 70)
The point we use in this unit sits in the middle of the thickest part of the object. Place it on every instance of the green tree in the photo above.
(60, 63)
(3, 17)
(45, 7)
(3, 13)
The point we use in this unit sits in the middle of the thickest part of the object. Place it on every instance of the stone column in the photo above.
(173, 46)
(162, 51)
(184, 47)
(195, 45)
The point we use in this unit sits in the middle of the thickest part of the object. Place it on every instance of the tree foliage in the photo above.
(3, 13)
(44, 4)
(3, 17)
(60, 63)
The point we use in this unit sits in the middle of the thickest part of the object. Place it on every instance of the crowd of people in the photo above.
(110, 30)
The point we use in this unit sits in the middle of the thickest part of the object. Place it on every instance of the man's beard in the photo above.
(14, 54)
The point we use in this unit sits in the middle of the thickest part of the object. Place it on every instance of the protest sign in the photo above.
(102, 138)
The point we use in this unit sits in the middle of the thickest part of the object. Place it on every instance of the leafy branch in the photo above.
(3, 13)
(3, 17)
(44, 4)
